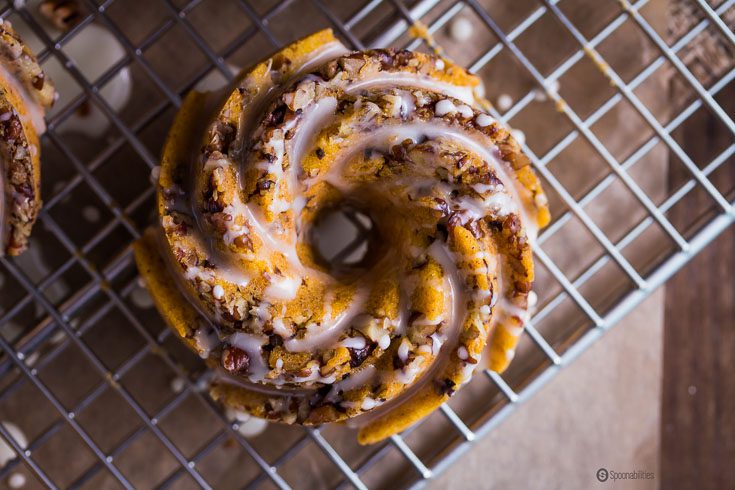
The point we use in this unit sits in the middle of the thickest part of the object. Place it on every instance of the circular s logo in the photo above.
(602, 475)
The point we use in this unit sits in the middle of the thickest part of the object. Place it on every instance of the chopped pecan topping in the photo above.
(357, 356)
(276, 116)
(512, 224)
(38, 81)
(213, 206)
(12, 128)
(445, 386)
(398, 363)
(442, 206)
(235, 360)
(264, 185)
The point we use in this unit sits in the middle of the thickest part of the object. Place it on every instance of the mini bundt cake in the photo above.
(445, 195)
(25, 94)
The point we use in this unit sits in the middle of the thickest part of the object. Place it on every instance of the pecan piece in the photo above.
(512, 224)
(445, 386)
(358, 356)
(235, 360)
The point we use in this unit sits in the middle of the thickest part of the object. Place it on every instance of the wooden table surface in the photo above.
(698, 406)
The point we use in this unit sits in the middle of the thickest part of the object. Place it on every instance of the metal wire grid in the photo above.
(60, 316)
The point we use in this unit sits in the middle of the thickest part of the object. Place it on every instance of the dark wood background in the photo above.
(698, 406)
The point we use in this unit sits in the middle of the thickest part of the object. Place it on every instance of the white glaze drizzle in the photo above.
(402, 79)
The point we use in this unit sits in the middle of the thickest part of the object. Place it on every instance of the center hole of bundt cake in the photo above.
(345, 239)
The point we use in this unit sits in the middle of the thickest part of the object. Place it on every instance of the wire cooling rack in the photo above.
(88, 369)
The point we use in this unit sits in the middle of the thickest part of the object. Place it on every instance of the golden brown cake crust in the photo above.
(395, 133)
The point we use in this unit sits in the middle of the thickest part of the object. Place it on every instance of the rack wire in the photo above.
(84, 364)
